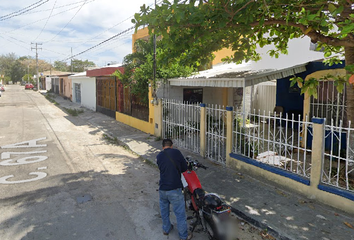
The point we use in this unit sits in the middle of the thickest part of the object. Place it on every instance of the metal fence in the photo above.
(216, 133)
(181, 123)
(338, 160)
(282, 142)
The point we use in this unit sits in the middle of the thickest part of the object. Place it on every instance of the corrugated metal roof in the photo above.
(235, 76)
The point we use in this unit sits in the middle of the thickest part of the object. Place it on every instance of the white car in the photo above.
(0, 93)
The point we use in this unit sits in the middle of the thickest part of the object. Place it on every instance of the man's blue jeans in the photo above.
(176, 198)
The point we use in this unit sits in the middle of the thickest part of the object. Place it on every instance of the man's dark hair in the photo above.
(167, 142)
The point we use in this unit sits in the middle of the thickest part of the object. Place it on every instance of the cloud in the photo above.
(62, 25)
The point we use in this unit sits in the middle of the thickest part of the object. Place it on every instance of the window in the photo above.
(193, 95)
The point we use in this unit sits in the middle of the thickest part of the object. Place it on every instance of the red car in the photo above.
(29, 86)
(2, 88)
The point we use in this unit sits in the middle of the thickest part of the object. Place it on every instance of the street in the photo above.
(61, 178)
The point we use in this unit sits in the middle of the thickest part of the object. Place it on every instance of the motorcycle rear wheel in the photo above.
(211, 230)
(187, 199)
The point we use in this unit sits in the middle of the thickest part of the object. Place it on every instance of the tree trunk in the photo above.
(349, 60)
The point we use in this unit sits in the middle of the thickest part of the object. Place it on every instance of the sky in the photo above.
(65, 28)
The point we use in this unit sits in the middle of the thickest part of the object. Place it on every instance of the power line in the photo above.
(59, 13)
(69, 21)
(22, 46)
(109, 39)
(46, 21)
(115, 25)
(24, 10)
(61, 6)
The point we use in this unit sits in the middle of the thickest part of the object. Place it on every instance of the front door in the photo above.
(78, 92)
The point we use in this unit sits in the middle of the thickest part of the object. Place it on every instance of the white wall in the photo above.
(298, 53)
(48, 83)
(88, 91)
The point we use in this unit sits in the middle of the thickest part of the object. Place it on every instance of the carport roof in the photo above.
(232, 75)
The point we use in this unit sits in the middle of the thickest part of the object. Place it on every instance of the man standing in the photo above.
(171, 164)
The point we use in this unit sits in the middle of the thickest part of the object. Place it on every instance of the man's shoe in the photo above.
(190, 236)
(166, 233)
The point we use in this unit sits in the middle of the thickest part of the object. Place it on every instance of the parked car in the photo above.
(2, 88)
(0, 93)
(29, 86)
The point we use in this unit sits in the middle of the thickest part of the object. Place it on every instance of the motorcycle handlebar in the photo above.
(194, 163)
(204, 167)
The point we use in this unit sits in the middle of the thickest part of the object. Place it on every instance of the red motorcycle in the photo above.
(208, 208)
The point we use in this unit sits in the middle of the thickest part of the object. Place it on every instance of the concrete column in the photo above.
(317, 151)
(229, 128)
(203, 130)
(158, 119)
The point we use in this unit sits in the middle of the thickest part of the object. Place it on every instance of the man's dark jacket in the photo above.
(170, 177)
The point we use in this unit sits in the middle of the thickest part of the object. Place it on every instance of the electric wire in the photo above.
(20, 12)
(10, 14)
(103, 42)
(107, 40)
(68, 22)
(58, 7)
(27, 48)
(59, 13)
(46, 21)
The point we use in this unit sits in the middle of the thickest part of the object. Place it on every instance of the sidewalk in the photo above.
(286, 215)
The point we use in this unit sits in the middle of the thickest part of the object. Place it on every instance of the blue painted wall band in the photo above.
(269, 168)
(336, 191)
(318, 120)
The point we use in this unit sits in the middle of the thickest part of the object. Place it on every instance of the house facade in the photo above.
(84, 90)
(65, 88)
(108, 89)
(49, 80)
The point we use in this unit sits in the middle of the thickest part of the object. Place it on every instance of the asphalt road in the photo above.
(60, 178)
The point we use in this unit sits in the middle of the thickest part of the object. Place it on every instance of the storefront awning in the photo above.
(235, 76)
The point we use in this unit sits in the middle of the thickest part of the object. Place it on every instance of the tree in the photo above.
(76, 65)
(138, 68)
(30, 65)
(195, 29)
(80, 66)
(61, 66)
(28, 78)
(17, 71)
(6, 64)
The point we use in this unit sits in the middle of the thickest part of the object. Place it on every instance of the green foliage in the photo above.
(73, 111)
(310, 86)
(75, 65)
(61, 66)
(80, 65)
(28, 78)
(11, 67)
(51, 99)
(192, 30)
(16, 68)
(138, 68)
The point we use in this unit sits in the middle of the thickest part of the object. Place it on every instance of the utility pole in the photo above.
(71, 60)
(154, 67)
(37, 61)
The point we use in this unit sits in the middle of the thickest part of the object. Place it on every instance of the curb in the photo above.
(258, 224)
